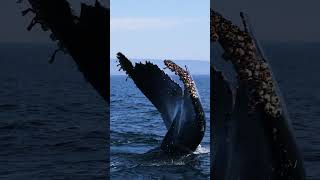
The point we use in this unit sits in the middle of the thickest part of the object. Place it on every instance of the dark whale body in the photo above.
(249, 143)
(181, 111)
(84, 38)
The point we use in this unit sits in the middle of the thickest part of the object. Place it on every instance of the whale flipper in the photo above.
(83, 37)
(222, 106)
(180, 109)
(157, 86)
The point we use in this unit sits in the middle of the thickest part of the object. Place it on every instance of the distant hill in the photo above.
(196, 67)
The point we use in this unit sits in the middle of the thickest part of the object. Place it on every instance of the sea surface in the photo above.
(137, 127)
(53, 125)
(296, 68)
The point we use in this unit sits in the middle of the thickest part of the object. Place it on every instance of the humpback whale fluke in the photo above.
(253, 135)
(181, 110)
(84, 37)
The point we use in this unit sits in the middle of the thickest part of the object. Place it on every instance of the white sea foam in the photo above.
(202, 150)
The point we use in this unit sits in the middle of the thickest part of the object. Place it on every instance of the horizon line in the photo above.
(168, 74)
(261, 40)
(161, 59)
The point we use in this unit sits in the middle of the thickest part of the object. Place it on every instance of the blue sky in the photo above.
(161, 29)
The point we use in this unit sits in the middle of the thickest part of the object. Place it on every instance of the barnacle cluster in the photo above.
(44, 16)
(184, 77)
(239, 47)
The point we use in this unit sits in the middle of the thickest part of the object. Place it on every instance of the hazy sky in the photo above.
(277, 20)
(179, 28)
(13, 24)
(159, 29)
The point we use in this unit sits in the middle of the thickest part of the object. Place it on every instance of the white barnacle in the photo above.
(264, 85)
(261, 92)
(241, 52)
(240, 38)
(278, 111)
(267, 107)
(230, 50)
(267, 97)
(248, 72)
(274, 100)
(257, 67)
(250, 46)
(256, 74)
(274, 130)
(273, 111)
(250, 53)
(264, 66)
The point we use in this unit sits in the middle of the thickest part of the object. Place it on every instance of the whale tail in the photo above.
(83, 37)
(181, 112)
(257, 134)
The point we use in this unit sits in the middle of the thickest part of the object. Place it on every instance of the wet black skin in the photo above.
(182, 114)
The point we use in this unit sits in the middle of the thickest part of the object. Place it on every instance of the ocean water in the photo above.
(296, 68)
(136, 128)
(53, 125)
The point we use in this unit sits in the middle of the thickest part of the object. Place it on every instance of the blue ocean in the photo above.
(136, 128)
(296, 69)
(53, 125)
